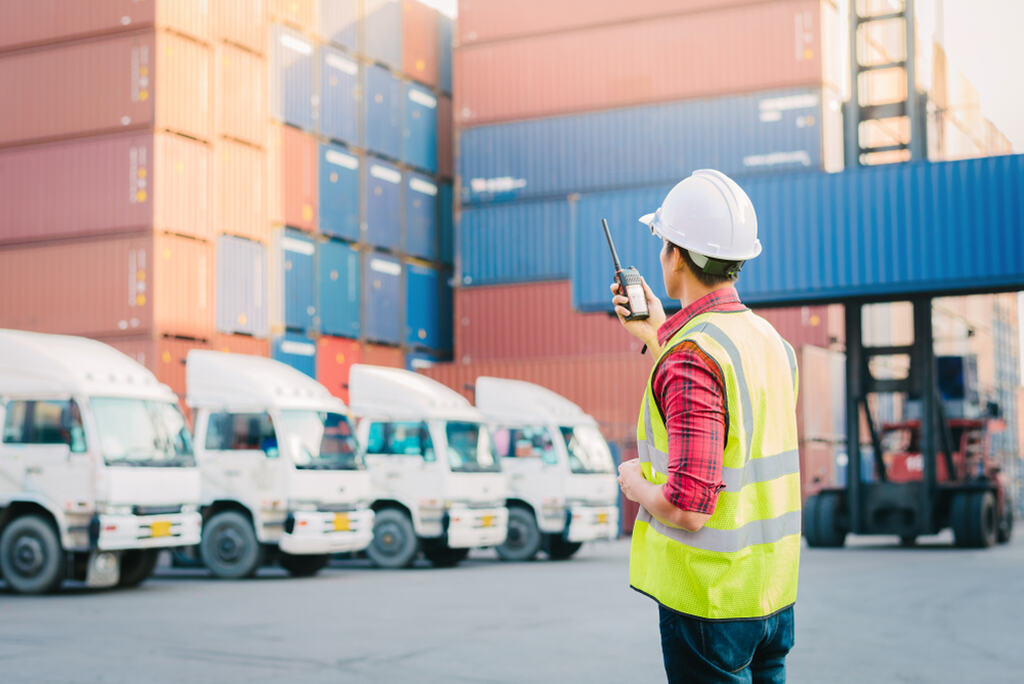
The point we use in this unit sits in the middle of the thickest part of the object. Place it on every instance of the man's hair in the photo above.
(706, 279)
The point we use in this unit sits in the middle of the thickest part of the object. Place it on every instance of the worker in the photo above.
(716, 541)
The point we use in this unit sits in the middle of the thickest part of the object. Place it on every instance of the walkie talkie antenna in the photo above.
(611, 246)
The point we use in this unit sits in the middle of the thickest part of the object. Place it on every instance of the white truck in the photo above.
(561, 477)
(282, 473)
(439, 486)
(96, 466)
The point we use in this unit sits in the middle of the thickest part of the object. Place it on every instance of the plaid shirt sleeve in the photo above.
(689, 389)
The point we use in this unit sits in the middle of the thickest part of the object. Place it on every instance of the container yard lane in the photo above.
(950, 615)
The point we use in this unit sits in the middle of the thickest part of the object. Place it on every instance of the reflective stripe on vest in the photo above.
(744, 561)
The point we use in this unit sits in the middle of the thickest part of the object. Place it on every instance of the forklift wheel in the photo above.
(823, 522)
(974, 519)
(1005, 530)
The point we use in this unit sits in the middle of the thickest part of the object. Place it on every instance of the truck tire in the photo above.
(229, 547)
(442, 556)
(31, 558)
(303, 566)
(136, 566)
(1005, 530)
(559, 549)
(524, 538)
(394, 544)
(982, 520)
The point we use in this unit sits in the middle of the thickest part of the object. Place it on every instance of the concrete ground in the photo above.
(872, 613)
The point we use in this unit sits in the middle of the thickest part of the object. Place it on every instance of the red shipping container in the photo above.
(741, 49)
(420, 42)
(381, 355)
(296, 13)
(118, 183)
(334, 356)
(817, 467)
(241, 22)
(292, 171)
(240, 95)
(445, 139)
(803, 325)
(239, 199)
(163, 356)
(151, 283)
(240, 344)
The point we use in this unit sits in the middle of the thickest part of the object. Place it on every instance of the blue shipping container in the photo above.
(383, 204)
(415, 361)
(339, 23)
(291, 77)
(650, 145)
(241, 286)
(383, 28)
(447, 312)
(382, 112)
(295, 295)
(872, 232)
(339, 96)
(339, 288)
(421, 217)
(422, 307)
(515, 242)
(382, 312)
(446, 224)
(445, 31)
(339, 192)
(419, 137)
(296, 350)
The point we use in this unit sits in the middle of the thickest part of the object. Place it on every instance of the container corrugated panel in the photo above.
(777, 130)
(34, 23)
(339, 192)
(802, 325)
(382, 111)
(817, 467)
(292, 275)
(242, 287)
(339, 96)
(192, 17)
(296, 350)
(123, 285)
(291, 77)
(383, 183)
(763, 46)
(242, 22)
(445, 138)
(517, 242)
(241, 95)
(421, 237)
(334, 357)
(297, 13)
(381, 355)
(382, 31)
(109, 184)
(240, 344)
(240, 198)
(163, 356)
(816, 413)
(419, 134)
(445, 35)
(339, 283)
(422, 306)
(339, 23)
(107, 85)
(447, 308)
(446, 225)
(382, 311)
(419, 42)
(292, 169)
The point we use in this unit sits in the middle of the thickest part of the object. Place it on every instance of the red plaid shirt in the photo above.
(689, 389)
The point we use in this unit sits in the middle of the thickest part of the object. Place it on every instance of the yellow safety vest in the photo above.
(743, 562)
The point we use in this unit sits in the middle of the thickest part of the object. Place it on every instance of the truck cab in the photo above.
(97, 472)
(561, 476)
(439, 486)
(282, 472)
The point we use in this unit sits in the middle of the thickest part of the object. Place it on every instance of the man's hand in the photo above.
(646, 330)
(631, 479)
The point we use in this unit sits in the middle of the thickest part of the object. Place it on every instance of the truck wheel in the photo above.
(1005, 530)
(229, 547)
(982, 519)
(31, 558)
(303, 566)
(136, 566)
(394, 542)
(441, 556)
(524, 537)
(559, 549)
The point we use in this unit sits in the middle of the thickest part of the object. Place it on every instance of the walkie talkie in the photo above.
(630, 283)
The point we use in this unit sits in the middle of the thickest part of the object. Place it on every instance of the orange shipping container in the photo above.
(240, 200)
(295, 13)
(159, 80)
(150, 283)
(420, 42)
(240, 95)
(163, 356)
(380, 355)
(240, 344)
(292, 171)
(334, 357)
(242, 22)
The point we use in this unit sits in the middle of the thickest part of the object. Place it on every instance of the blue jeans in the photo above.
(732, 651)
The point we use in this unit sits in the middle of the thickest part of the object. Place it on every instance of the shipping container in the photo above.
(159, 80)
(339, 192)
(292, 275)
(415, 361)
(163, 356)
(518, 242)
(297, 350)
(818, 414)
(382, 111)
(763, 46)
(383, 203)
(778, 130)
(445, 35)
(447, 310)
(422, 306)
(298, 14)
(421, 214)
(100, 287)
(339, 23)
(292, 171)
(338, 99)
(817, 467)
(334, 357)
(381, 355)
(339, 283)
(446, 225)
(291, 77)
(241, 22)
(420, 42)
(420, 132)
(806, 325)
(382, 298)
(240, 344)
(445, 138)
(382, 31)
(111, 184)
(240, 203)
(242, 287)
(240, 95)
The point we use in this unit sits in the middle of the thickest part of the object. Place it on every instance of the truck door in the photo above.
(402, 462)
(530, 459)
(241, 460)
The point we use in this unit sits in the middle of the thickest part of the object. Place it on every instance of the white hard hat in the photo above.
(708, 214)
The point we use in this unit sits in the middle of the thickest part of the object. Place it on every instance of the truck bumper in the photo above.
(587, 523)
(122, 532)
(470, 528)
(316, 533)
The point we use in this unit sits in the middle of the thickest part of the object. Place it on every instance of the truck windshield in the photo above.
(320, 440)
(470, 449)
(588, 452)
(139, 432)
